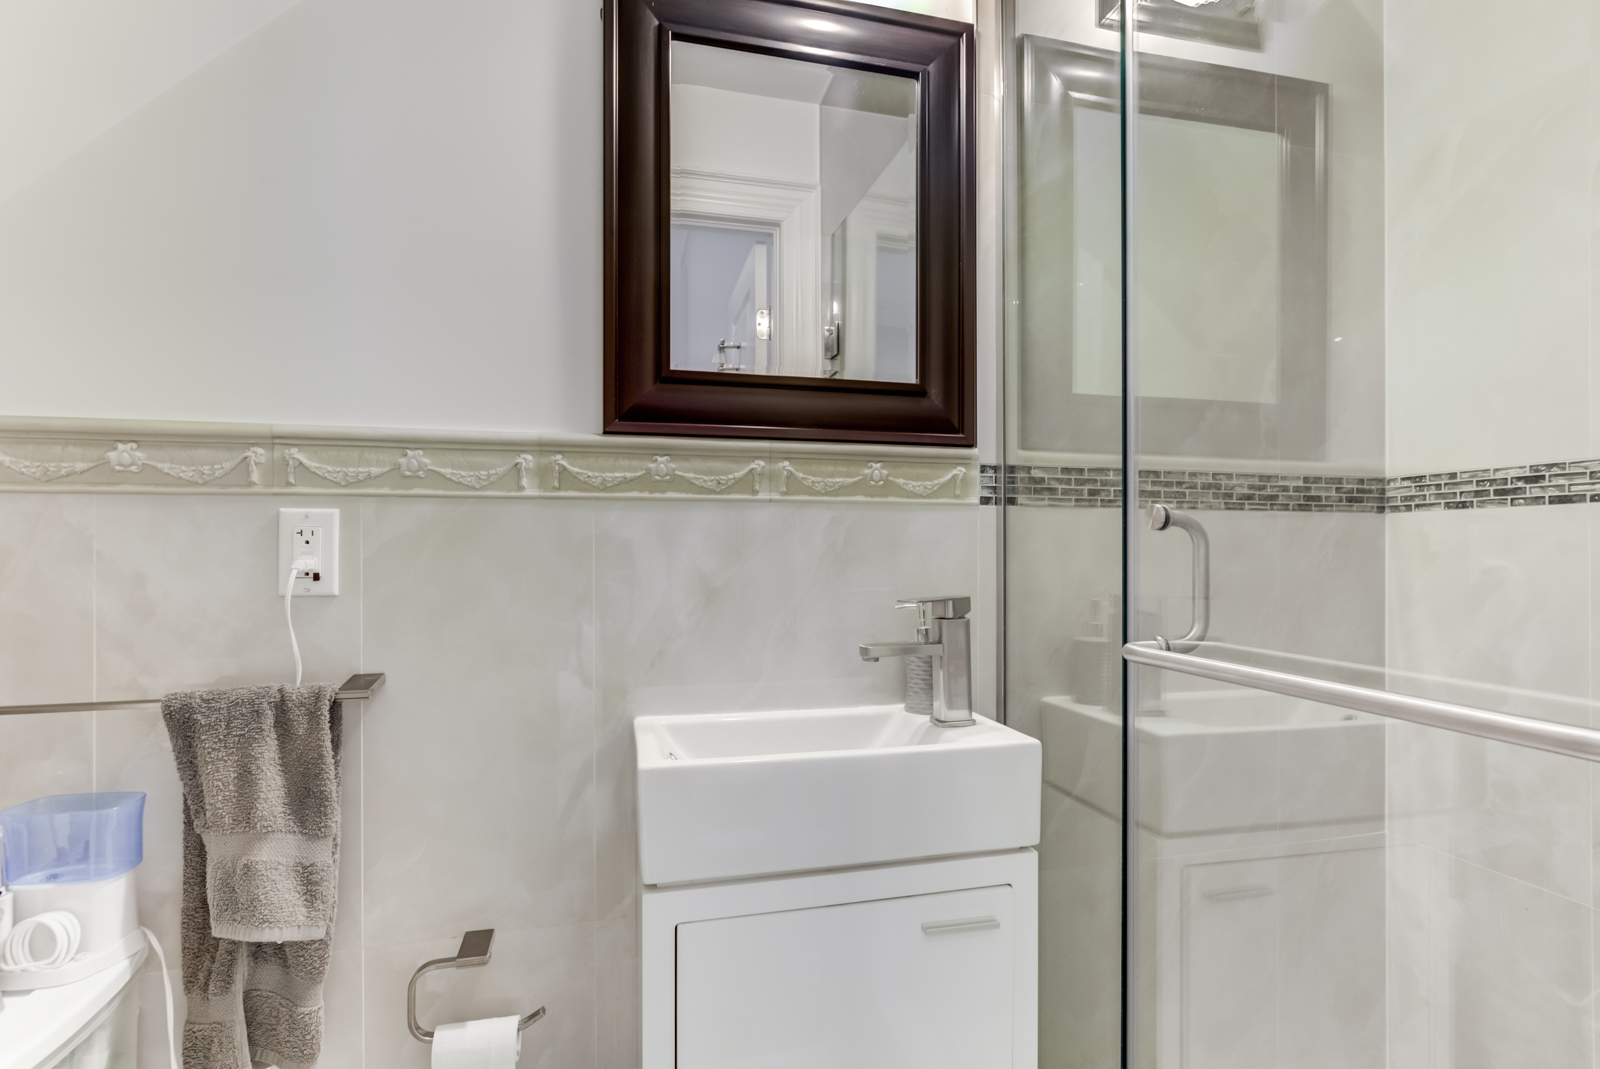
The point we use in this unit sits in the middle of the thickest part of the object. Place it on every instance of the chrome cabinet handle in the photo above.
(1230, 894)
(964, 924)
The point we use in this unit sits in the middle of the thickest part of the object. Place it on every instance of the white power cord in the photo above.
(288, 599)
(18, 956)
(166, 983)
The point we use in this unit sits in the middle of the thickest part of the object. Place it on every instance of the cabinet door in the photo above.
(922, 983)
(1283, 962)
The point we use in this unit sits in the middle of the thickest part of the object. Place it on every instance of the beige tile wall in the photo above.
(1489, 176)
(1491, 201)
(489, 784)
(1491, 875)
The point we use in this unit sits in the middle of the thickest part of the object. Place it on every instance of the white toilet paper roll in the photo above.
(493, 1043)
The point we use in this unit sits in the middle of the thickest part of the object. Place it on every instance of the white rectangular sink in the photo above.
(1222, 760)
(749, 794)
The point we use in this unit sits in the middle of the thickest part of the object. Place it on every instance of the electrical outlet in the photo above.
(309, 534)
(305, 544)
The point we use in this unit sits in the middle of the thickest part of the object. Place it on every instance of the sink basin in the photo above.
(749, 794)
(1222, 760)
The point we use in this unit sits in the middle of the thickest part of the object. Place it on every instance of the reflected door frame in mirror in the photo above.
(643, 393)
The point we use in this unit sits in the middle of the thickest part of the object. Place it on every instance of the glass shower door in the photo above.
(1257, 849)
(1061, 500)
(1326, 296)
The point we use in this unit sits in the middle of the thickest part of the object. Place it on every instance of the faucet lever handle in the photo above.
(924, 618)
(948, 607)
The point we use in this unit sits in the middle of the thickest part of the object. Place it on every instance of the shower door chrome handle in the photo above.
(1161, 518)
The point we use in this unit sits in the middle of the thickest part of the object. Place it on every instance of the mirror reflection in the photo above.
(1210, 205)
(793, 217)
(1232, 258)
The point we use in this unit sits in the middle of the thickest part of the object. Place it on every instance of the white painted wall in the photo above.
(355, 213)
(724, 132)
(365, 213)
(72, 69)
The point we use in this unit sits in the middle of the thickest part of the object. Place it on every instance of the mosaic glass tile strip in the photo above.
(1568, 482)
(1519, 486)
(988, 484)
(1074, 487)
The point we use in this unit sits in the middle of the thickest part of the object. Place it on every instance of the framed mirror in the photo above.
(1232, 257)
(789, 222)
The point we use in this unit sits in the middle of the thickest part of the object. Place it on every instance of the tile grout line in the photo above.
(361, 731)
(1446, 854)
(1589, 654)
(94, 643)
(594, 773)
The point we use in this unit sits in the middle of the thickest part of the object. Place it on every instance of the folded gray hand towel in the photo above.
(260, 774)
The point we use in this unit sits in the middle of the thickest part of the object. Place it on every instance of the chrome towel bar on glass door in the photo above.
(1463, 719)
(355, 688)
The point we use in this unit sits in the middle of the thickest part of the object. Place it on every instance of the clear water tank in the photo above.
(75, 853)
(73, 838)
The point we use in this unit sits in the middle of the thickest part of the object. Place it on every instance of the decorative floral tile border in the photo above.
(68, 454)
(97, 455)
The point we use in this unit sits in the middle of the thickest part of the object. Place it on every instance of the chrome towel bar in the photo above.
(355, 688)
(474, 950)
(1545, 735)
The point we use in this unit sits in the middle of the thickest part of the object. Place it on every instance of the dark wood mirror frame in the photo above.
(644, 395)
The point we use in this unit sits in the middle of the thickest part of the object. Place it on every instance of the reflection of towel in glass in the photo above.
(260, 774)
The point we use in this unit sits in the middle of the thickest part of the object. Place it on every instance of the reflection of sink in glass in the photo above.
(1222, 760)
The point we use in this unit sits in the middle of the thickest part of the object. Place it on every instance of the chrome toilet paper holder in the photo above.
(474, 951)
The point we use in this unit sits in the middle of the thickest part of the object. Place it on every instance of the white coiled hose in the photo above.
(16, 955)
(18, 951)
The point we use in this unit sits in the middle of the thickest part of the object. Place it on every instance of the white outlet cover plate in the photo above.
(290, 520)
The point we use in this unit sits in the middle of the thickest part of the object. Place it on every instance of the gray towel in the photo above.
(260, 774)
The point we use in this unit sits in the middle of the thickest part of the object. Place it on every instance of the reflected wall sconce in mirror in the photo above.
(790, 246)
(1234, 23)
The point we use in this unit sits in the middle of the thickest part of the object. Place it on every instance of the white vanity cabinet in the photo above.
(920, 965)
(837, 889)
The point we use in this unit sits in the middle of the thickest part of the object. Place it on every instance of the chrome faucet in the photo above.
(945, 634)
